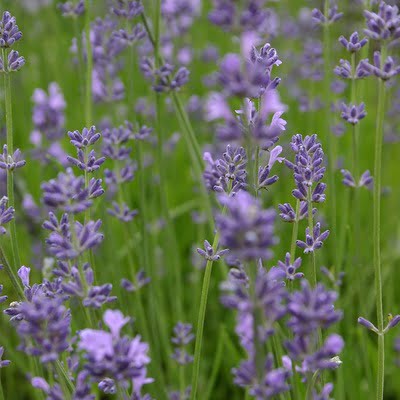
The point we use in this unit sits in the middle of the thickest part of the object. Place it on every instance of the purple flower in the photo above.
(344, 71)
(312, 308)
(14, 62)
(69, 9)
(226, 174)
(110, 355)
(164, 79)
(209, 254)
(9, 31)
(60, 241)
(182, 337)
(141, 280)
(354, 44)
(131, 38)
(308, 169)
(48, 114)
(122, 212)
(313, 241)
(324, 394)
(127, 9)
(366, 179)
(43, 323)
(11, 162)
(384, 70)
(383, 25)
(353, 113)
(288, 214)
(287, 270)
(6, 214)
(86, 138)
(393, 321)
(248, 230)
(272, 383)
(68, 193)
(333, 15)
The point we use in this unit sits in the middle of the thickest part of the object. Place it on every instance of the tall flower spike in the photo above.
(247, 230)
(383, 25)
(9, 31)
(11, 162)
(313, 241)
(354, 44)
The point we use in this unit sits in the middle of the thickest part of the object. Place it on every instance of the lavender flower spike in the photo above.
(9, 31)
(315, 241)
(247, 230)
(11, 162)
(209, 254)
(353, 113)
(354, 44)
(287, 270)
(385, 71)
(14, 62)
(88, 137)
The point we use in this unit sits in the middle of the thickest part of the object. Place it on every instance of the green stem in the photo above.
(377, 232)
(295, 232)
(200, 320)
(330, 141)
(311, 228)
(10, 176)
(89, 67)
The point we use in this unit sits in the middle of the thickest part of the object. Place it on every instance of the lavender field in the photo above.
(199, 200)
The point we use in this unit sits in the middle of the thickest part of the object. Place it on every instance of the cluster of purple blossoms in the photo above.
(248, 16)
(107, 45)
(86, 160)
(250, 77)
(308, 171)
(226, 174)
(48, 117)
(165, 78)
(383, 25)
(310, 310)
(332, 16)
(72, 9)
(247, 230)
(269, 304)
(9, 35)
(209, 254)
(74, 284)
(67, 242)
(116, 148)
(113, 360)
(68, 192)
(183, 336)
(42, 321)
(366, 180)
(141, 280)
(179, 15)
(127, 9)
(10, 162)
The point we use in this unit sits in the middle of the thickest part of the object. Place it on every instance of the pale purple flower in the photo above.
(247, 230)
(6, 214)
(353, 113)
(314, 240)
(209, 254)
(382, 69)
(354, 44)
(72, 9)
(11, 161)
(383, 25)
(14, 62)
(288, 270)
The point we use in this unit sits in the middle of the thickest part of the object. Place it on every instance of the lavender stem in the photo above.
(201, 318)
(10, 176)
(377, 231)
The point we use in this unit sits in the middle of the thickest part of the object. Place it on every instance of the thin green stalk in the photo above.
(311, 228)
(330, 141)
(216, 363)
(89, 67)
(200, 321)
(377, 233)
(10, 176)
